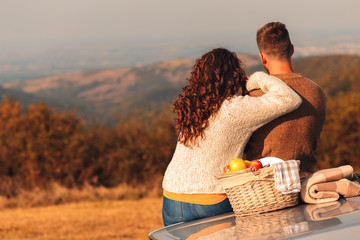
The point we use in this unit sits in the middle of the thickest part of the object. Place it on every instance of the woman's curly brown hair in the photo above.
(216, 76)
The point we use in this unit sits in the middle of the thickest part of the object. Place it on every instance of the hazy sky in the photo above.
(144, 23)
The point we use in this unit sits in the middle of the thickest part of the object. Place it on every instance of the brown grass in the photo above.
(125, 219)
(56, 194)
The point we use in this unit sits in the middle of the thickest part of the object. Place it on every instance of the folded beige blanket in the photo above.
(327, 185)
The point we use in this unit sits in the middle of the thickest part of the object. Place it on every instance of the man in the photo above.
(294, 135)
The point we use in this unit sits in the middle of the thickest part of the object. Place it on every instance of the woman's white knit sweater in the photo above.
(193, 169)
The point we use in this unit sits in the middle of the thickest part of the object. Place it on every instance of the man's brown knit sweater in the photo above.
(294, 135)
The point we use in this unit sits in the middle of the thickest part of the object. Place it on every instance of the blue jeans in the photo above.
(176, 211)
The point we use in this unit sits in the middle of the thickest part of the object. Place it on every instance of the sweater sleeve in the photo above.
(254, 112)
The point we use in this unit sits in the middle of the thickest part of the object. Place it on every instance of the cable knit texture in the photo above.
(193, 169)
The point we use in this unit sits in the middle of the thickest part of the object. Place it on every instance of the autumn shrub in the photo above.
(39, 147)
(340, 139)
(32, 144)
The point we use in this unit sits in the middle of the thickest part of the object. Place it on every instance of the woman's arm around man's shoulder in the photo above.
(278, 99)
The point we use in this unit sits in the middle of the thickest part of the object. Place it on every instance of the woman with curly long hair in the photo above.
(214, 121)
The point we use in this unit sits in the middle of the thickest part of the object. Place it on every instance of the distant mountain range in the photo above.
(105, 94)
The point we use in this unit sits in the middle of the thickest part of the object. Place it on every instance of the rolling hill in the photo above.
(334, 73)
(104, 94)
(101, 94)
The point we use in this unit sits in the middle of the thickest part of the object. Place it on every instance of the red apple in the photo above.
(255, 165)
(227, 169)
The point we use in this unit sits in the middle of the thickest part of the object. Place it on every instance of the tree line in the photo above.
(39, 146)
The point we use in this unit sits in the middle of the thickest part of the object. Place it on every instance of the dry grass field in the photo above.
(123, 219)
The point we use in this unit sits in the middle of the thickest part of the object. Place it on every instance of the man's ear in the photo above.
(292, 50)
(263, 58)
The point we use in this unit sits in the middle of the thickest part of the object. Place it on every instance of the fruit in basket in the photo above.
(227, 169)
(247, 162)
(255, 165)
(237, 164)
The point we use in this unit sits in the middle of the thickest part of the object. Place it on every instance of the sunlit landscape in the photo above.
(86, 122)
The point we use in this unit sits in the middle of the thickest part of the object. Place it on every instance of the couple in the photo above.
(216, 121)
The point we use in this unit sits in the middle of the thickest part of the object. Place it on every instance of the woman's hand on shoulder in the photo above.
(252, 80)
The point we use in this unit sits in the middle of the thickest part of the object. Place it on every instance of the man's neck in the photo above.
(280, 67)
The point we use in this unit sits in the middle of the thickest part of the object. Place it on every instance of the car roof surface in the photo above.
(334, 220)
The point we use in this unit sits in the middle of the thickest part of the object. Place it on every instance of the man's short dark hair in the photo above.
(273, 40)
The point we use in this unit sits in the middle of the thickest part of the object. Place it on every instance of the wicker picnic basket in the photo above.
(254, 192)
